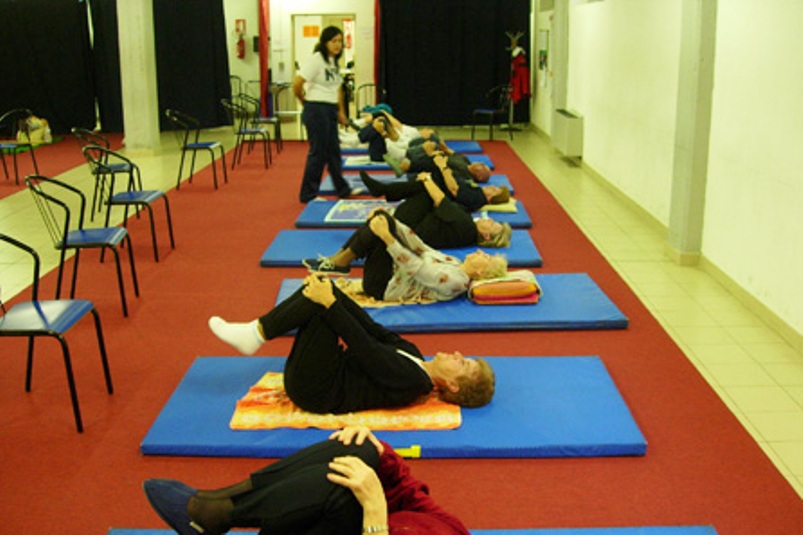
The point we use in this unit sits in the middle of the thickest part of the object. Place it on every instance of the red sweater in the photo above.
(410, 508)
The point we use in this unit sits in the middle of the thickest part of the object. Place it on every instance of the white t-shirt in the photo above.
(323, 79)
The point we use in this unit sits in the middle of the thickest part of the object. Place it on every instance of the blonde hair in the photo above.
(474, 391)
(496, 267)
(498, 240)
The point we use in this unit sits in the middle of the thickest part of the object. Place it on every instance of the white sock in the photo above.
(244, 337)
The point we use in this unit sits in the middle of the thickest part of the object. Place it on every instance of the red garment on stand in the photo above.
(519, 78)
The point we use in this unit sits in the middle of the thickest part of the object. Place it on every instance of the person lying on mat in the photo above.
(349, 484)
(375, 134)
(400, 267)
(466, 193)
(376, 369)
(438, 220)
(419, 158)
(387, 137)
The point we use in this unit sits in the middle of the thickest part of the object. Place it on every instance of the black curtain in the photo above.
(192, 59)
(106, 65)
(439, 58)
(46, 61)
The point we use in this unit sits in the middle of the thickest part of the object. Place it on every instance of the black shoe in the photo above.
(169, 499)
(375, 187)
(323, 265)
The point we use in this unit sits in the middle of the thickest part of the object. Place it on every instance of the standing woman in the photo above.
(323, 110)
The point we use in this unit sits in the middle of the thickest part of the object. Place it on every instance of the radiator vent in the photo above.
(567, 133)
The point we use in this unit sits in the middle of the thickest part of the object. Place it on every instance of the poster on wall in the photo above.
(348, 40)
(543, 49)
(543, 57)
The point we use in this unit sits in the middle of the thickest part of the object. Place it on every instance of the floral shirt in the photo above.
(422, 273)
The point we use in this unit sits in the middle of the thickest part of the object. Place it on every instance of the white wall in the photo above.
(623, 72)
(623, 75)
(248, 67)
(754, 201)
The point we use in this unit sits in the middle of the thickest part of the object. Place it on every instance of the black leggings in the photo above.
(294, 496)
(378, 268)
(313, 373)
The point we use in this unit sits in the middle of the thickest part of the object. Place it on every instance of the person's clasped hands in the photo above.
(318, 289)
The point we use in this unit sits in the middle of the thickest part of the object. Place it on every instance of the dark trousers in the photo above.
(378, 268)
(294, 496)
(419, 159)
(314, 368)
(324, 150)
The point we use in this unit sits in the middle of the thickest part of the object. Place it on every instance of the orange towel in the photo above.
(266, 406)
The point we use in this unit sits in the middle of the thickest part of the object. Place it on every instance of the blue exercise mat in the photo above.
(649, 530)
(462, 146)
(289, 247)
(570, 301)
(362, 163)
(543, 407)
(327, 186)
(314, 215)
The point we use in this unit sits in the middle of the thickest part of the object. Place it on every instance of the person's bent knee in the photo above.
(366, 451)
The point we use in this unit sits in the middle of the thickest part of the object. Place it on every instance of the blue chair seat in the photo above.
(132, 197)
(113, 167)
(95, 237)
(253, 131)
(203, 145)
(56, 316)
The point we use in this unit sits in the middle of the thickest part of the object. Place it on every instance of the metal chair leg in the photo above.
(131, 262)
(120, 282)
(71, 382)
(29, 366)
(103, 357)
(169, 222)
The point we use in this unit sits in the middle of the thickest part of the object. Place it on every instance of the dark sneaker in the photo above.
(169, 499)
(323, 265)
(375, 187)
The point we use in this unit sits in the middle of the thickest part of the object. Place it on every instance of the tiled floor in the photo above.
(757, 374)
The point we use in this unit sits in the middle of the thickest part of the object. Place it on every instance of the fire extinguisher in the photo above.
(241, 47)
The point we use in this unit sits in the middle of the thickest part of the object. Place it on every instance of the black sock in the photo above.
(375, 187)
(213, 515)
